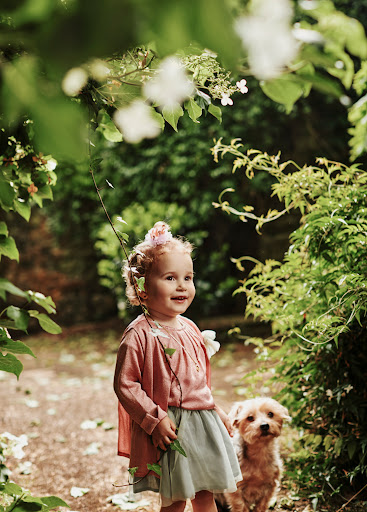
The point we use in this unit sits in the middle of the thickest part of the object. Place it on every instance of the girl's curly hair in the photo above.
(142, 257)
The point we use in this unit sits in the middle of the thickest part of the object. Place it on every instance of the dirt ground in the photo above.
(64, 402)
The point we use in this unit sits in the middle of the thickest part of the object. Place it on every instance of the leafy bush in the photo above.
(316, 301)
(12, 496)
(26, 179)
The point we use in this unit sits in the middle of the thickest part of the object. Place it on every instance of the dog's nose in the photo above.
(264, 427)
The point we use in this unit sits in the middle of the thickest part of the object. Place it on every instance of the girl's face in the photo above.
(170, 287)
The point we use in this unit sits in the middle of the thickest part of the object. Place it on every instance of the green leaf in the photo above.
(38, 200)
(133, 470)
(323, 83)
(20, 317)
(338, 446)
(358, 317)
(193, 110)
(8, 248)
(45, 192)
(45, 322)
(13, 489)
(328, 441)
(7, 286)
(53, 502)
(45, 302)
(48, 325)
(173, 114)
(169, 351)
(23, 208)
(7, 193)
(8, 324)
(215, 111)
(283, 90)
(23, 506)
(108, 129)
(32, 499)
(156, 468)
(175, 445)
(158, 117)
(17, 347)
(140, 283)
(3, 229)
(10, 364)
(317, 441)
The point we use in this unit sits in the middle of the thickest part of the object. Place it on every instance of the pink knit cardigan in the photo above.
(142, 384)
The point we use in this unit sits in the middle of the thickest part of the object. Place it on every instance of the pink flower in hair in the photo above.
(158, 235)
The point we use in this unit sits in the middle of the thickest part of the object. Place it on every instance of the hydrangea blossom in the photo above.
(267, 37)
(241, 84)
(171, 84)
(74, 80)
(226, 100)
(136, 122)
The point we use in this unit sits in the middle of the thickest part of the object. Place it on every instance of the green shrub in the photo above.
(316, 302)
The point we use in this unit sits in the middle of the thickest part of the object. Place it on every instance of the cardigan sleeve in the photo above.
(128, 384)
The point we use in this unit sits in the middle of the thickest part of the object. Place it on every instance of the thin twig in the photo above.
(122, 244)
(351, 499)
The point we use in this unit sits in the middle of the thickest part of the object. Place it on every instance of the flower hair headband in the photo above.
(158, 235)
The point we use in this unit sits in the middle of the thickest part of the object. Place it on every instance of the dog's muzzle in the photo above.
(264, 427)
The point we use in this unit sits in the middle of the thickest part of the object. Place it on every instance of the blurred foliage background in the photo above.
(68, 67)
(76, 259)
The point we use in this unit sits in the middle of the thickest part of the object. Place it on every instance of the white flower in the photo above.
(51, 164)
(74, 80)
(211, 345)
(136, 122)
(242, 86)
(15, 447)
(171, 84)
(267, 37)
(99, 69)
(226, 100)
(307, 36)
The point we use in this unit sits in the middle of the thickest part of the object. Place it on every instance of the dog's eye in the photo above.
(250, 418)
(270, 414)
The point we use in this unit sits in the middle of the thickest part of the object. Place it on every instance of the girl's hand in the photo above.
(164, 433)
(223, 416)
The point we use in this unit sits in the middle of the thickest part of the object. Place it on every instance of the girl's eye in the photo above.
(270, 414)
(169, 278)
(250, 418)
(188, 278)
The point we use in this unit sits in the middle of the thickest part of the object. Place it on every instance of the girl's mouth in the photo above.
(181, 298)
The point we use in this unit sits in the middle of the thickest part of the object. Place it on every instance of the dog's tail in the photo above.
(221, 503)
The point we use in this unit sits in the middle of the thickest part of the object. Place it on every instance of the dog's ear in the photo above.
(234, 414)
(284, 413)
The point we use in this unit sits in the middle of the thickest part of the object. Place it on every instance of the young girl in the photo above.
(162, 381)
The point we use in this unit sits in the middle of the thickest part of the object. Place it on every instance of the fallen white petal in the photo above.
(77, 492)
(124, 502)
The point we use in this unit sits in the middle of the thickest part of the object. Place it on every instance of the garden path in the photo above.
(65, 403)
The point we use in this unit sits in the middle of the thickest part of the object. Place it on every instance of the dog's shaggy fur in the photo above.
(257, 424)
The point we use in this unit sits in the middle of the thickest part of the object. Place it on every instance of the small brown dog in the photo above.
(257, 424)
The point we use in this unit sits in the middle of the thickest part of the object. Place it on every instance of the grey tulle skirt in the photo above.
(211, 463)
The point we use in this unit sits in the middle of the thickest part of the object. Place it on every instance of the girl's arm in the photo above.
(224, 417)
(127, 385)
